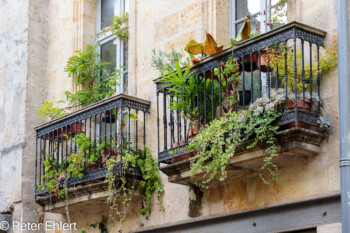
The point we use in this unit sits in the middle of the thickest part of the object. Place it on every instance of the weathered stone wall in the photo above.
(33, 71)
(37, 38)
(167, 25)
(13, 74)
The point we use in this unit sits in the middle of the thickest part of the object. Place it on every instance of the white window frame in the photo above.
(264, 6)
(119, 8)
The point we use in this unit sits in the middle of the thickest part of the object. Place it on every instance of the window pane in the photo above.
(109, 54)
(125, 67)
(246, 7)
(125, 56)
(255, 25)
(107, 12)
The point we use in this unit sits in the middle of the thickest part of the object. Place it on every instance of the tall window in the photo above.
(261, 12)
(112, 50)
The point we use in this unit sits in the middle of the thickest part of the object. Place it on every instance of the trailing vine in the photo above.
(102, 225)
(216, 144)
(116, 178)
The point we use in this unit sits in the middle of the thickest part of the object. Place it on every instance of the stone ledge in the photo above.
(292, 143)
(91, 195)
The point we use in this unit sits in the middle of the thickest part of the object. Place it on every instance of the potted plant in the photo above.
(110, 116)
(185, 90)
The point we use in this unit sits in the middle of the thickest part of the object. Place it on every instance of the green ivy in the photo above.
(216, 144)
(87, 154)
(153, 182)
(117, 182)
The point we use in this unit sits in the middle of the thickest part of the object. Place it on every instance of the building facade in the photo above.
(39, 36)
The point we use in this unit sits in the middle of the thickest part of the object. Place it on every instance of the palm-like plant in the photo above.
(186, 92)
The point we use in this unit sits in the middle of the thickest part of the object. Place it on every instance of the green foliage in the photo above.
(278, 14)
(93, 80)
(102, 225)
(153, 182)
(213, 151)
(119, 27)
(54, 173)
(86, 71)
(215, 145)
(164, 61)
(232, 74)
(87, 154)
(184, 87)
(48, 109)
(119, 195)
(186, 92)
(328, 60)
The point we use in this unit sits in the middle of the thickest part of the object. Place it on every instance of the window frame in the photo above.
(265, 5)
(119, 8)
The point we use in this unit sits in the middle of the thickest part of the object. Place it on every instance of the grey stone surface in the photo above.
(5, 218)
(22, 81)
(13, 73)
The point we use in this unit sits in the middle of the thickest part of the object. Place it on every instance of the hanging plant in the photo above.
(119, 27)
(120, 192)
(86, 70)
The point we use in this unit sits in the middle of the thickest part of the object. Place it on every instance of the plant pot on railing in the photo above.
(108, 155)
(264, 59)
(192, 132)
(93, 167)
(300, 107)
(250, 62)
(181, 157)
(70, 131)
(109, 117)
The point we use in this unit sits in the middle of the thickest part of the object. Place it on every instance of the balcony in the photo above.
(107, 130)
(296, 74)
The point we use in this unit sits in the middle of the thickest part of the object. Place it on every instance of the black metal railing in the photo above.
(286, 57)
(118, 123)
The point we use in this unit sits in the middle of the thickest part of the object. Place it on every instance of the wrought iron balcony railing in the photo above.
(285, 58)
(114, 123)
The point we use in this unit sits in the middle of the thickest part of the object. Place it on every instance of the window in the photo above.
(261, 12)
(112, 50)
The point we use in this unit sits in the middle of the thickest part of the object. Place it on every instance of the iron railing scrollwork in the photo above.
(294, 44)
(108, 122)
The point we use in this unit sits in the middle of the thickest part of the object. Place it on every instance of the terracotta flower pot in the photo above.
(70, 130)
(247, 66)
(93, 167)
(194, 131)
(291, 107)
(108, 155)
(182, 157)
(109, 117)
(264, 59)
